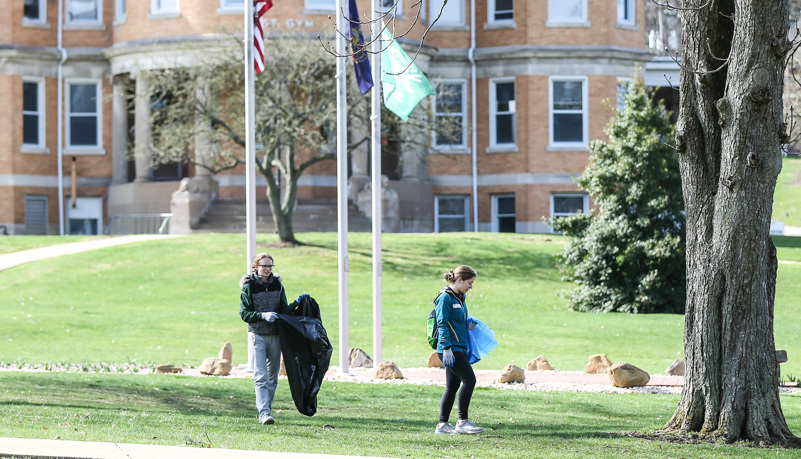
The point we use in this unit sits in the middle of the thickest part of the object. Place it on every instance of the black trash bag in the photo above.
(307, 353)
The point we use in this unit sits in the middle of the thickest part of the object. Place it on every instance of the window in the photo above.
(452, 14)
(501, 10)
(625, 12)
(120, 10)
(84, 11)
(568, 111)
(567, 11)
(451, 214)
(33, 113)
(321, 5)
(387, 6)
(163, 6)
(34, 10)
(238, 5)
(503, 214)
(83, 114)
(502, 112)
(85, 217)
(450, 114)
(35, 214)
(564, 204)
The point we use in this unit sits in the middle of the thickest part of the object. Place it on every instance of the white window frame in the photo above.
(495, 211)
(85, 22)
(556, 21)
(584, 112)
(494, 82)
(492, 11)
(452, 16)
(586, 204)
(463, 114)
(120, 11)
(626, 13)
(97, 148)
(42, 14)
(156, 9)
(231, 7)
(466, 199)
(39, 146)
(319, 5)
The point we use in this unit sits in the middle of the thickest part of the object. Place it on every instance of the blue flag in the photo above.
(361, 64)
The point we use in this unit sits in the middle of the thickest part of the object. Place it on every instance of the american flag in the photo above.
(259, 8)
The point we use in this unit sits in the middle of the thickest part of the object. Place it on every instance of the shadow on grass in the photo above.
(790, 242)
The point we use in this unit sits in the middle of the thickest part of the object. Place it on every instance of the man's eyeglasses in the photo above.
(266, 266)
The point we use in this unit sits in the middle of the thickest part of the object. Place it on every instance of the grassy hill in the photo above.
(176, 301)
(787, 198)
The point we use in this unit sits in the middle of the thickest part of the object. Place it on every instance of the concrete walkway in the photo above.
(24, 447)
(9, 260)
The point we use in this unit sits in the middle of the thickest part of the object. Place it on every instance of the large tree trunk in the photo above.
(282, 209)
(729, 138)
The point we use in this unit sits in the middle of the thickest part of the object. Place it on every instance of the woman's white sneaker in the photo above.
(444, 428)
(467, 427)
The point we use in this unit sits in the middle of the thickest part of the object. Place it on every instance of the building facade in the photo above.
(531, 83)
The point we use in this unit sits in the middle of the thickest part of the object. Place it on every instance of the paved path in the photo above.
(24, 447)
(9, 260)
(792, 230)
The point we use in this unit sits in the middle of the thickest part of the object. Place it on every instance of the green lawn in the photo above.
(364, 419)
(10, 244)
(175, 301)
(787, 197)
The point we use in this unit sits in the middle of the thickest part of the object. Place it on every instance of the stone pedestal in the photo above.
(389, 204)
(188, 205)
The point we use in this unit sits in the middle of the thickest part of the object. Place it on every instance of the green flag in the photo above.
(402, 92)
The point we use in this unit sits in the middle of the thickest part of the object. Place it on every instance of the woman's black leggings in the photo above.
(460, 373)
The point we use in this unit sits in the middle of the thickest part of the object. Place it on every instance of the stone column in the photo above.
(144, 131)
(204, 145)
(119, 131)
(412, 164)
(359, 160)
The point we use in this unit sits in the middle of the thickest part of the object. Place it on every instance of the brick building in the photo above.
(535, 78)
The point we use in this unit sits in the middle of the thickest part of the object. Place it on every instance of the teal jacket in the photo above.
(451, 321)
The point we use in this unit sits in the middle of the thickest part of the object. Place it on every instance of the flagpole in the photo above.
(250, 139)
(250, 144)
(377, 210)
(342, 187)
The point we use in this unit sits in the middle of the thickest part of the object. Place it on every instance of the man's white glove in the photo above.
(447, 357)
(269, 316)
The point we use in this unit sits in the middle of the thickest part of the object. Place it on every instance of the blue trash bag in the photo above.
(480, 341)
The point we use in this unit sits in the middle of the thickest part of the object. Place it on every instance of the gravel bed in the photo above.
(417, 376)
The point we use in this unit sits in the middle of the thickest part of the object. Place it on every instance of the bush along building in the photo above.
(528, 84)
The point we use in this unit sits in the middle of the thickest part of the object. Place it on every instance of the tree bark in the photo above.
(282, 209)
(729, 138)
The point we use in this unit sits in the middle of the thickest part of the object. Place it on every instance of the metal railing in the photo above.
(139, 224)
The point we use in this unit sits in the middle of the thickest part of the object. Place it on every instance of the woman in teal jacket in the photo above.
(452, 324)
